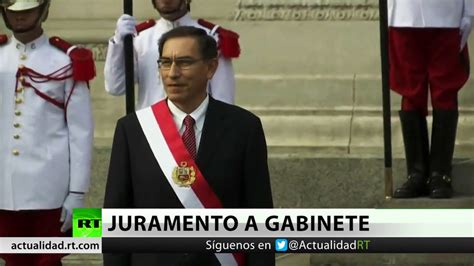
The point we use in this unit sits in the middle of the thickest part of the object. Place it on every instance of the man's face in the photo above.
(21, 21)
(184, 73)
(168, 6)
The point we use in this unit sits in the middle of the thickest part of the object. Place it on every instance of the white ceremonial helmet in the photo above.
(20, 5)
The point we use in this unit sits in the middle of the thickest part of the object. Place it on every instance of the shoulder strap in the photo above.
(83, 67)
(228, 40)
(3, 39)
(145, 25)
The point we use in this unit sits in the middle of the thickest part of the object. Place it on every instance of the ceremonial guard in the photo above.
(428, 55)
(174, 13)
(46, 130)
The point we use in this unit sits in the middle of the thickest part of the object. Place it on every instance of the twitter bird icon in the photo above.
(281, 245)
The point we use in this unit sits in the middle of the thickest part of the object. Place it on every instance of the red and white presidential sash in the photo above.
(170, 152)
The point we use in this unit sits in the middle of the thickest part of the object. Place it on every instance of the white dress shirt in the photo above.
(199, 115)
(44, 154)
(150, 86)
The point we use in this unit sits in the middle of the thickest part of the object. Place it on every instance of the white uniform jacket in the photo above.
(44, 151)
(150, 87)
(428, 13)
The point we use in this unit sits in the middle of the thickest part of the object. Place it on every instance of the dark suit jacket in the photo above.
(232, 156)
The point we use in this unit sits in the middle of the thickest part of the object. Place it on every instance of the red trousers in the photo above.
(31, 223)
(426, 60)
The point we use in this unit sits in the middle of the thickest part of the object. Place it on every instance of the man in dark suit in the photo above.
(188, 151)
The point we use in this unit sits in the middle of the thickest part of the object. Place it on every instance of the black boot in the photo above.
(442, 148)
(415, 138)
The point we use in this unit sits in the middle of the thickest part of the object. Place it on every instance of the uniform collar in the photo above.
(198, 114)
(182, 21)
(35, 44)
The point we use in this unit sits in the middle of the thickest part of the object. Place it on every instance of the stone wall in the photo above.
(311, 65)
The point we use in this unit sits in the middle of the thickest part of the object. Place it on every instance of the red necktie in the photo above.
(189, 138)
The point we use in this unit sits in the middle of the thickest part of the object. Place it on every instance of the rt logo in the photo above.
(87, 223)
(281, 245)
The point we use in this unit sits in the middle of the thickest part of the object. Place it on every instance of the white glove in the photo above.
(465, 29)
(125, 26)
(73, 200)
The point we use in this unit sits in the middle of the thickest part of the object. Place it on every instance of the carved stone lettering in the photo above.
(99, 50)
(298, 10)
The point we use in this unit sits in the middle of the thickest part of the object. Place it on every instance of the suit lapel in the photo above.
(213, 129)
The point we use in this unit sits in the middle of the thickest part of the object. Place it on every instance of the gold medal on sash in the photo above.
(183, 175)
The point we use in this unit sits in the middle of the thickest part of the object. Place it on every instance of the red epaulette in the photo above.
(228, 40)
(145, 25)
(3, 39)
(83, 67)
